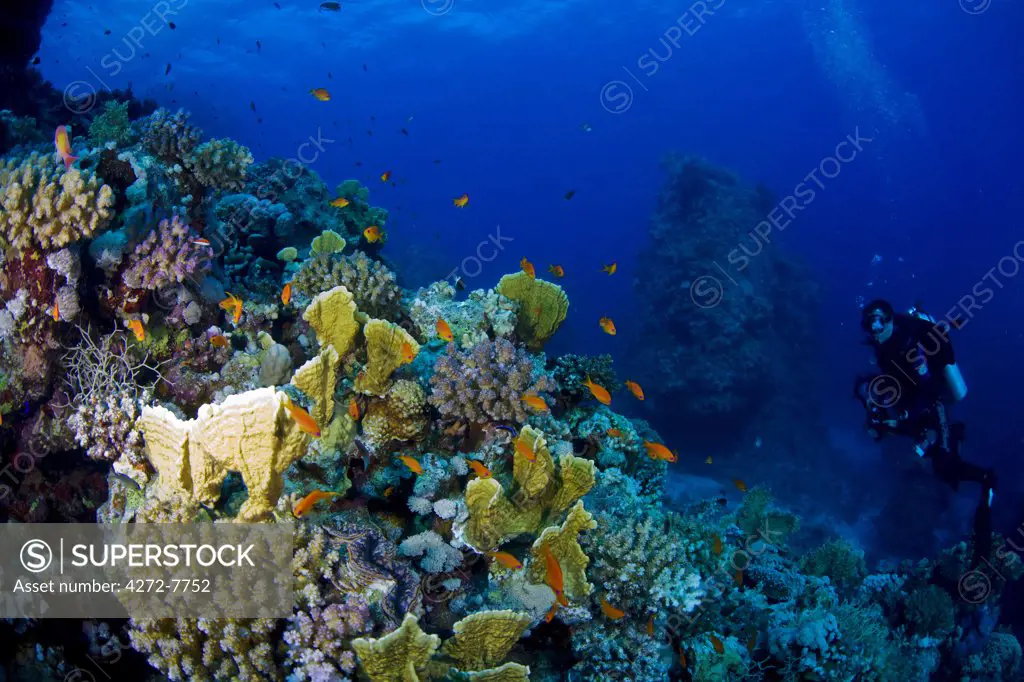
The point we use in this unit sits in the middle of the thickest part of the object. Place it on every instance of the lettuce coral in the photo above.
(399, 656)
(542, 306)
(386, 344)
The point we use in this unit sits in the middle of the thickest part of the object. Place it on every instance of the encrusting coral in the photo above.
(542, 306)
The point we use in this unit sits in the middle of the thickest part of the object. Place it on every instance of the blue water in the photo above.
(499, 93)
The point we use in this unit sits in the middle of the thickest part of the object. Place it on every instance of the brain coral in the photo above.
(486, 382)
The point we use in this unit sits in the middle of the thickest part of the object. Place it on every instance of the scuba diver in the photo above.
(918, 378)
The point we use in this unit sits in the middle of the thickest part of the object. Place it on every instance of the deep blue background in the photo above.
(499, 93)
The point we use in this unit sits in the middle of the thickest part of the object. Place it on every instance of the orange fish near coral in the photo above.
(385, 176)
(528, 268)
(307, 502)
(611, 268)
(614, 433)
(443, 330)
(389, 491)
(56, 312)
(304, 420)
(372, 234)
(353, 409)
(460, 202)
(201, 242)
(659, 451)
(525, 450)
(607, 325)
(219, 341)
(635, 389)
(717, 643)
(535, 402)
(233, 305)
(321, 94)
(557, 270)
(408, 352)
(599, 392)
(63, 144)
(739, 577)
(650, 626)
(740, 485)
(286, 293)
(137, 329)
(412, 463)
(479, 469)
(506, 560)
(610, 610)
(554, 577)
(716, 545)
(551, 614)
(340, 202)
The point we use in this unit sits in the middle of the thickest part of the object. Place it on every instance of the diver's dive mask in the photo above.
(874, 321)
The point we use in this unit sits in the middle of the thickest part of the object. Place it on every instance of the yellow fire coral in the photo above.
(483, 639)
(332, 315)
(399, 656)
(542, 306)
(49, 207)
(565, 546)
(317, 379)
(385, 342)
(400, 415)
(510, 672)
(251, 433)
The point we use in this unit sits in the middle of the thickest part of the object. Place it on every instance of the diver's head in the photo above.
(877, 319)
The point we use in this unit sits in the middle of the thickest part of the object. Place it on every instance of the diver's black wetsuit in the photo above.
(906, 399)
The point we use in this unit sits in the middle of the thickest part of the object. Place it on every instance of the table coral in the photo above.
(542, 306)
(50, 207)
(168, 255)
(486, 383)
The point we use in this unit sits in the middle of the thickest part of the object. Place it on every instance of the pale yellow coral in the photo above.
(251, 433)
(565, 546)
(332, 315)
(385, 342)
(317, 378)
(533, 477)
(483, 639)
(510, 672)
(400, 415)
(49, 207)
(329, 241)
(542, 306)
(400, 655)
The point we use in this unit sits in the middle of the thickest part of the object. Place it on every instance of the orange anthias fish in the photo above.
(307, 502)
(443, 330)
(554, 577)
(650, 626)
(305, 421)
(551, 614)
(408, 352)
(614, 433)
(412, 463)
(385, 176)
(506, 560)
(607, 325)
(659, 451)
(610, 268)
(321, 94)
(610, 610)
(286, 293)
(535, 402)
(56, 312)
(479, 469)
(599, 392)
(201, 242)
(219, 341)
(63, 144)
(233, 305)
(739, 577)
(372, 234)
(557, 270)
(716, 545)
(528, 268)
(738, 482)
(353, 409)
(635, 389)
(137, 329)
(340, 202)
(525, 450)
(461, 202)
(717, 643)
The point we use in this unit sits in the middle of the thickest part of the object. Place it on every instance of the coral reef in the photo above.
(542, 306)
(371, 283)
(168, 255)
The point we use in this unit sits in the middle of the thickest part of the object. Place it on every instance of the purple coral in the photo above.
(318, 640)
(168, 255)
(486, 382)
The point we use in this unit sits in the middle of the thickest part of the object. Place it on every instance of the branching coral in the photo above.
(111, 125)
(106, 366)
(170, 136)
(372, 284)
(485, 314)
(106, 425)
(572, 370)
(220, 164)
(50, 208)
(168, 255)
(317, 640)
(486, 383)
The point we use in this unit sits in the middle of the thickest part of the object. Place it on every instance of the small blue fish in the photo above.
(510, 429)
